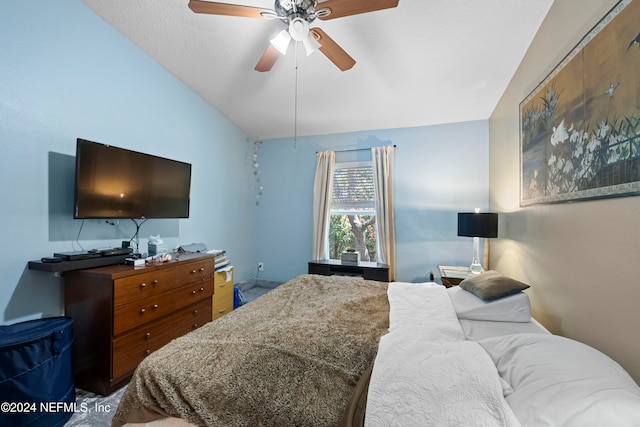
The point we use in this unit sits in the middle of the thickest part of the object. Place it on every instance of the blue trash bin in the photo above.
(238, 297)
(36, 373)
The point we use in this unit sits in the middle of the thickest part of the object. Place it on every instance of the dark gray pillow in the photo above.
(492, 285)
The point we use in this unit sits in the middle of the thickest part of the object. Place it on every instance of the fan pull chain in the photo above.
(295, 102)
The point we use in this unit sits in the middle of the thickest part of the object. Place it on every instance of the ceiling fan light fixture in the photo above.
(298, 29)
(310, 44)
(281, 41)
(298, 15)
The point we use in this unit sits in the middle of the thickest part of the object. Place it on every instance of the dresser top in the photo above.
(122, 270)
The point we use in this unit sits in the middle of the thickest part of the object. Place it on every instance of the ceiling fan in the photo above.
(298, 15)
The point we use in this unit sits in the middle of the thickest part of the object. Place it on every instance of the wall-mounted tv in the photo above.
(113, 182)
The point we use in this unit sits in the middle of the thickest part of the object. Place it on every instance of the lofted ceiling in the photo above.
(424, 62)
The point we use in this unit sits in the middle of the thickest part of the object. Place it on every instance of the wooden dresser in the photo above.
(121, 314)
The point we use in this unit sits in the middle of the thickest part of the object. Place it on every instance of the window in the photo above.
(353, 211)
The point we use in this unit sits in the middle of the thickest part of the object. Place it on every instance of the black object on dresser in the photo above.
(49, 265)
(368, 270)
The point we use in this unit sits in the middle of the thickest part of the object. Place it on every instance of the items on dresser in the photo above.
(136, 262)
(156, 246)
(77, 260)
(158, 259)
(122, 314)
(59, 266)
(193, 248)
(220, 258)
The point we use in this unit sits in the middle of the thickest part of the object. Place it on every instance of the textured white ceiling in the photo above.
(425, 62)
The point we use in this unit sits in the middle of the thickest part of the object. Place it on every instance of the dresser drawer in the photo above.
(194, 271)
(222, 304)
(143, 285)
(191, 318)
(193, 292)
(129, 349)
(222, 293)
(223, 288)
(136, 313)
(221, 277)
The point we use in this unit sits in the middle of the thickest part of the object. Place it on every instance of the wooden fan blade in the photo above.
(340, 8)
(331, 50)
(267, 60)
(214, 8)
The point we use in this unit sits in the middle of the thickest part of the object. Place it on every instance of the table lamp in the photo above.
(476, 225)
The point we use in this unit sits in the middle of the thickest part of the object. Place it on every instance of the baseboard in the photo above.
(252, 283)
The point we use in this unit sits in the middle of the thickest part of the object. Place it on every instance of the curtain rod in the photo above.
(358, 149)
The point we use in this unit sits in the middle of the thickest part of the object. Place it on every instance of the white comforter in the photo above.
(426, 373)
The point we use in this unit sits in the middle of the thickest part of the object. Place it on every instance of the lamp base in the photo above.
(476, 267)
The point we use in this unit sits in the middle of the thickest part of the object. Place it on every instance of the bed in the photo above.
(331, 350)
(291, 357)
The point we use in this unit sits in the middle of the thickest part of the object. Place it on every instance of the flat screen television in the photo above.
(113, 182)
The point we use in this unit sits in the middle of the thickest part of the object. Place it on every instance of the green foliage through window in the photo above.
(341, 236)
(353, 221)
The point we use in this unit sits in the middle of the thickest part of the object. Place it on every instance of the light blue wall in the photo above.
(440, 170)
(65, 73)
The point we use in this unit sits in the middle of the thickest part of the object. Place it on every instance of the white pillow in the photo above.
(413, 305)
(561, 382)
(513, 308)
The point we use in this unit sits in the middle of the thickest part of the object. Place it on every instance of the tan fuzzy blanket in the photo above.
(290, 358)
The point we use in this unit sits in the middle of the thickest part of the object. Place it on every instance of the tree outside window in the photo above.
(353, 220)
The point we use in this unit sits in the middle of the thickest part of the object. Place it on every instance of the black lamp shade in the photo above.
(478, 224)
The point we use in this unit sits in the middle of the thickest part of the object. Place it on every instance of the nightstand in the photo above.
(453, 275)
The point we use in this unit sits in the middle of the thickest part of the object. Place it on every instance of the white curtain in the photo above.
(322, 188)
(383, 159)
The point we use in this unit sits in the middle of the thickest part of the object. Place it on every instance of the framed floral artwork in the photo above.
(580, 127)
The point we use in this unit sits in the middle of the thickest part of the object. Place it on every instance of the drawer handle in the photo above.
(193, 292)
(222, 311)
(201, 269)
(155, 306)
(201, 289)
(155, 282)
(195, 312)
(147, 352)
(143, 285)
(222, 285)
(193, 272)
(147, 335)
(142, 310)
(195, 325)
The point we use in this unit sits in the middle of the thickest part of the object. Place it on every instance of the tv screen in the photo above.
(113, 182)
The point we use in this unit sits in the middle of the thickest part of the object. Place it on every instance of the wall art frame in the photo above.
(580, 127)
